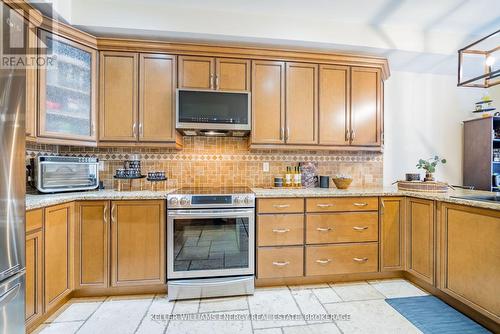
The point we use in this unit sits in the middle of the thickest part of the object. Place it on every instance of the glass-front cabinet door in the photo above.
(67, 90)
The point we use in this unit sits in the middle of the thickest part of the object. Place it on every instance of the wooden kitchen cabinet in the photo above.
(157, 97)
(280, 262)
(31, 89)
(92, 246)
(392, 234)
(366, 107)
(118, 96)
(268, 102)
(280, 230)
(138, 243)
(58, 254)
(34, 266)
(334, 105)
(470, 257)
(67, 91)
(420, 231)
(301, 103)
(225, 74)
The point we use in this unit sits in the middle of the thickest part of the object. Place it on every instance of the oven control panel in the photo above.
(210, 201)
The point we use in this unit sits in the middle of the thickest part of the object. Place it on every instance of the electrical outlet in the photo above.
(265, 167)
(101, 166)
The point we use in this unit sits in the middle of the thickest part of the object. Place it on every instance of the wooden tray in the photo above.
(421, 186)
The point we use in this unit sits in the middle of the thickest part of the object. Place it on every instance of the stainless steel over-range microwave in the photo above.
(208, 112)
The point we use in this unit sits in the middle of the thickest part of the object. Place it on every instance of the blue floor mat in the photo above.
(433, 316)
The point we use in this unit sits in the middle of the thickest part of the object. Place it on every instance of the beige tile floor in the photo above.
(362, 301)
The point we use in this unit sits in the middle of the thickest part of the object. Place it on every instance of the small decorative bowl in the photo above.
(342, 182)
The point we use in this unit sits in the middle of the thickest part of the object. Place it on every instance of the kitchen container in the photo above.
(324, 181)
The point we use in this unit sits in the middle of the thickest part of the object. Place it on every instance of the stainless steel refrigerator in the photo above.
(12, 180)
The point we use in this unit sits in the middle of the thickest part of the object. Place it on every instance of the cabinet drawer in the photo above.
(341, 259)
(280, 205)
(278, 262)
(34, 220)
(280, 230)
(341, 227)
(342, 204)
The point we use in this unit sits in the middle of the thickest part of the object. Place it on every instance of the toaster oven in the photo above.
(59, 174)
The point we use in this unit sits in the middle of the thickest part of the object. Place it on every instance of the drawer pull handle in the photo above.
(281, 264)
(281, 206)
(324, 229)
(284, 230)
(324, 261)
(320, 205)
(360, 228)
(357, 259)
(360, 204)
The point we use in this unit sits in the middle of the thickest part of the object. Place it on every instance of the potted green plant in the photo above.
(429, 166)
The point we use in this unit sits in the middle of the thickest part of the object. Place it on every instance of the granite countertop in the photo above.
(43, 200)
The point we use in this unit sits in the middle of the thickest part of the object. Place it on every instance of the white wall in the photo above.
(423, 118)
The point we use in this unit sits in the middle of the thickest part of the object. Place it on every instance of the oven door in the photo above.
(210, 243)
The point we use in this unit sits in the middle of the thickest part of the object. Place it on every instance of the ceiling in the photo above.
(415, 35)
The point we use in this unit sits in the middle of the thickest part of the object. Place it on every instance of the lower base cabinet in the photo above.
(280, 262)
(34, 287)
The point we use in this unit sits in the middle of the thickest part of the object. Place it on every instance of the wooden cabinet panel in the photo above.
(34, 220)
(118, 96)
(34, 287)
(58, 243)
(92, 223)
(280, 230)
(157, 97)
(341, 204)
(196, 72)
(470, 257)
(268, 102)
(420, 241)
(324, 228)
(279, 262)
(280, 205)
(301, 103)
(392, 218)
(232, 74)
(31, 88)
(366, 115)
(341, 259)
(138, 242)
(334, 85)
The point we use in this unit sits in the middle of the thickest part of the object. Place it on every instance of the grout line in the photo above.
(250, 314)
(145, 313)
(91, 314)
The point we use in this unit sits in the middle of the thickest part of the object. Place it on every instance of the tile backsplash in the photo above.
(223, 162)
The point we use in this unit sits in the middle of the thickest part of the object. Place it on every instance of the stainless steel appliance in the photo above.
(213, 113)
(210, 242)
(12, 181)
(58, 174)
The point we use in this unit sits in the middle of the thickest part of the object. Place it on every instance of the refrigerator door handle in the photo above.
(9, 295)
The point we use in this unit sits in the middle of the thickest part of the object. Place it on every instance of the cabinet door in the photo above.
(58, 254)
(34, 263)
(196, 72)
(392, 218)
(366, 105)
(268, 102)
(470, 257)
(67, 90)
(420, 232)
(31, 88)
(157, 97)
(138, 242)
(92, 223)
(232, 74)
(301, 103)
(118, 98)
(334, 105)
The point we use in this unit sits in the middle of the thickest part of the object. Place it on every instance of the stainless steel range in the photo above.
(210, 242)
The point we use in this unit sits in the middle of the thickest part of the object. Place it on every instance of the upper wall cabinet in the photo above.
(137, 99)
(225, 74)
(67, 90)
(31, 89)
(366, 107)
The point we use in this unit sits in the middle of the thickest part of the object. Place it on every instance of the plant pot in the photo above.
(429, 177)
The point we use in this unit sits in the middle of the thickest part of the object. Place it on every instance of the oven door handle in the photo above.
(210, 213)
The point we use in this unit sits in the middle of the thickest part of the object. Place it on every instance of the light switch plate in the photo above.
(265, 167)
